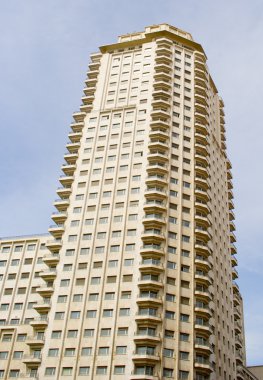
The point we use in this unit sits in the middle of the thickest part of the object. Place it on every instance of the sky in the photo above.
(44, 55)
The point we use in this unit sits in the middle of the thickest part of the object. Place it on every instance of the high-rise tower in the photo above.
(139, 282)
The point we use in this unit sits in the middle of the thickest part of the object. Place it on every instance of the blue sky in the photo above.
(45, 47)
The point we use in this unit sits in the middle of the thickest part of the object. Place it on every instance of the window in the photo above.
(107, 313)
(69, 352)
(167, 372)
(3, 355)
(105, 332)
(86, 351)
(184, 355)
(83, 371)
(50, 371)
(74, 314)
(124, 312)
(59, 315)
(121, 350)
(111, 279)
(91, 313)
(119, 369)
(88, 333)
(109, 296)
(67, 371)
(103, 351)
(62, 299)
(169, 334)
(14, 373)
(123, 331)
(168, 352)
(184, 337)
(171, 265)
(95, 280)
(170, 297)
(128, 262)
(53, 352)
(4, 306)
(169, 314)
(93, 296)
(64, 283)
(101, 370)
(84, 251)
(21, 337)
(183, 375)
(56, 334)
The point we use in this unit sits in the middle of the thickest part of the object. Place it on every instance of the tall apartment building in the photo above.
(139, 279)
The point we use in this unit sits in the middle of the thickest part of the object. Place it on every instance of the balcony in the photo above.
(150, 281)
(236, 297)
(202, 181)
(202, 248)
(164, 49)
(152, 249)
(203, 365)
(54, 245)
(93, 73)
(64, 192)
(145, 357)
(162, 76)
(203, 346)
(200, 90)
(30, 360)
(237, 313)
(154, 205)
(235, 288)
(75, 136)
(203, 278)
(59, 217)
(156, 180)
(35, 341)
(40, 322)
(201, 170)
(158, 144)
(56, 230)
(234, 274)
(201, 148)
(135, 376)
(204, 328)
(68, 169)
(202, 206)
(233, 249)
(156, 193)
(203, 219)
(232, 237)
(72, 146)
(152, 236)
(158, 156)
(153, 220)
(159, 133)
(149, 300)
(202, 263)
(202, 233)
(148, 318)
(51, 259)
(231, 204)
(155, 168)
(61, 204)
(71, 158)
(48, 274)
(88, 99)
(91, 82)
(232, 226)
(66, 180)
(43, 306)
(77, 126)
(86, 108)
(203, 310)
(231, 215)
(203, 294)
(166, 59)
(200, 159)
(238, 327)
(201, 82)
(238, 342)
(160, 124)
(151, 265)
(45, 290)
(146, 337)
(79, 116)
(160, 102)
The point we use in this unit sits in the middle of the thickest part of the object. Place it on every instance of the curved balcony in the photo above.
(79, 116)
(205, 329)
(202, 181)
(88, 99)
(151, 265)
(155, 168)
(237, 313)
(200, 159)
(154, 220)
(233, 249)
(158, 144)
(234, 274)
(164, 49)
(68, 169)
(148, 318)
(66, 180)
(158, 156)
(202, 263)
(156, 180)
(155, 192)
(236, 298)
(75, 136)
(160, 102)
(160, 59)
(203, 310)
(152, 236)
(201, 97)
(203, 294)
(203, 219)
(232, 226)
(150, 282)
(145, 357)
(135, 376)
(203, 278)
(152, 250)
(154, 206)
(201, 82)
(202, 193)
(77, 126)
(231, 204)
(202, 249)
(202, 170)
(93, 73)
(146, 338)
(204, 347)
(232, 237)
(51, 259)
(238, 327)
(72, 146)
(40, 322)
(200, 138)
(159, 133)
(201, 148)
(158, 113)
(160, 124)
(202, 206)
(203, 366)
(91, 82)
(86, 108)
(231, 215)
(200, 90)
(90, 90)
(202, 233)
(149, 301)
(238, 342)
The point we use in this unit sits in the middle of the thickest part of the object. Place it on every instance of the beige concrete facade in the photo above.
(142, 262)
